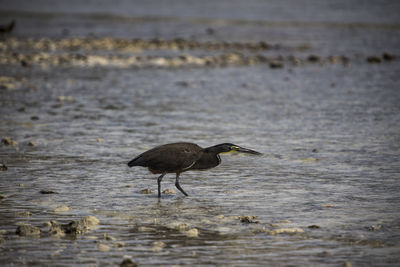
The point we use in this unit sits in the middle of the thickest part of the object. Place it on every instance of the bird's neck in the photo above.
(213, 150)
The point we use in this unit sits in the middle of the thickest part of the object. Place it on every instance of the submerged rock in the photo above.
(145, 191)
(128, 263)
(62, 208)
(192, 232)
(248, 219)
(286, 231)
(103, 247)
(388, 57)
(8, 141)
(47, 191)
(374, 59)
(169, 191)
(27, 230)
(314, 226)
(3, 167)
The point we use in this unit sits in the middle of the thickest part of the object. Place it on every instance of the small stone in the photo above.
(8, 141)
(89, 222)
(3, 232)
(374, 227)
(30, 143)
(64, 98)
(276, 64)
(158, 246)
(314, 150)
(34, 118)
(24, 214)
(328, 205)
(192, 232)
(103, 247)
(3, 167)
(374, 59)
(27, 230)
(145, 191)
(388, 57)
(347, 264)
(248, 219)
(2, 197)
(108, 237)
(314, 226)
(313, 58)
(128, 263)
(119, 244)
(47, 191)
(62, 208)
(99, 140)
(169, 191)
(286, 231)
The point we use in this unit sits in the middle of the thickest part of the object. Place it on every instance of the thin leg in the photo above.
(178, 185)
(159, 183)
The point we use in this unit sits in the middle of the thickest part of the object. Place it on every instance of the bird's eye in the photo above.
(234, 147)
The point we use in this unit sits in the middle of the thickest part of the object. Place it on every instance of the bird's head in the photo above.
(228, 148)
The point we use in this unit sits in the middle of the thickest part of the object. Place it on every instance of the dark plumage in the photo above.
(181, 157)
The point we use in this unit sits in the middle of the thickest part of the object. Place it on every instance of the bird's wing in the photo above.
(170, 158)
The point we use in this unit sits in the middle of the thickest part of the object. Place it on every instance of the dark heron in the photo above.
(181, 157)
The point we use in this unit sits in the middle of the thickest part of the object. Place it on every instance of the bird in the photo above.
(181, 157)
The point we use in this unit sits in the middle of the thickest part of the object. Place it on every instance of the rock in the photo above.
(60, 230)
(89, 222)
(2, 197)
(31, 143)
(169, 191)
(27, 230)
(34, 118)
(388, 57)
(158, 246)
(24, 214)
(328, 205)
(127, 263)
(103, 247)
(192, 232)
(64, 98)
(62, 208)
(99, 140)
(108, 237)
(275, 64)
(119, 244)
(374, 59)
(314, 226)
(286, 231)
(3, 167)
(3, 232)
(47, 191)
(313, 58)
(8, 141)
(347, 264)
(248, 219)
(145, 191)
(374, 227)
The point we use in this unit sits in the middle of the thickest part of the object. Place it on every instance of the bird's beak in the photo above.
(248, 151)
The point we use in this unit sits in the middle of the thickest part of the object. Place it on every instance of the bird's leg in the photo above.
(159, 183)
(178, 185)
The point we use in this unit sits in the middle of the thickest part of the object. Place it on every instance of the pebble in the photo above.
(169, 191)
(31, 143)
(62, 208)
(3, 167)
(128, 263)
(145, 191)
(47, 191)
(313, 58)
(103, 247)
(8, 141)
(286, 231)
(374, 59)
(388, 57)
(89, 222)
(192, 232)
(347, 264)
(314, 226)
(158, 246)
(248, 219)
(27, 230)
(276, 64)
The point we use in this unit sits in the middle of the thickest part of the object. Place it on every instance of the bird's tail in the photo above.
(133, 162)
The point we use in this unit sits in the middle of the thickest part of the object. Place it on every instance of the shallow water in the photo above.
(329, 134)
